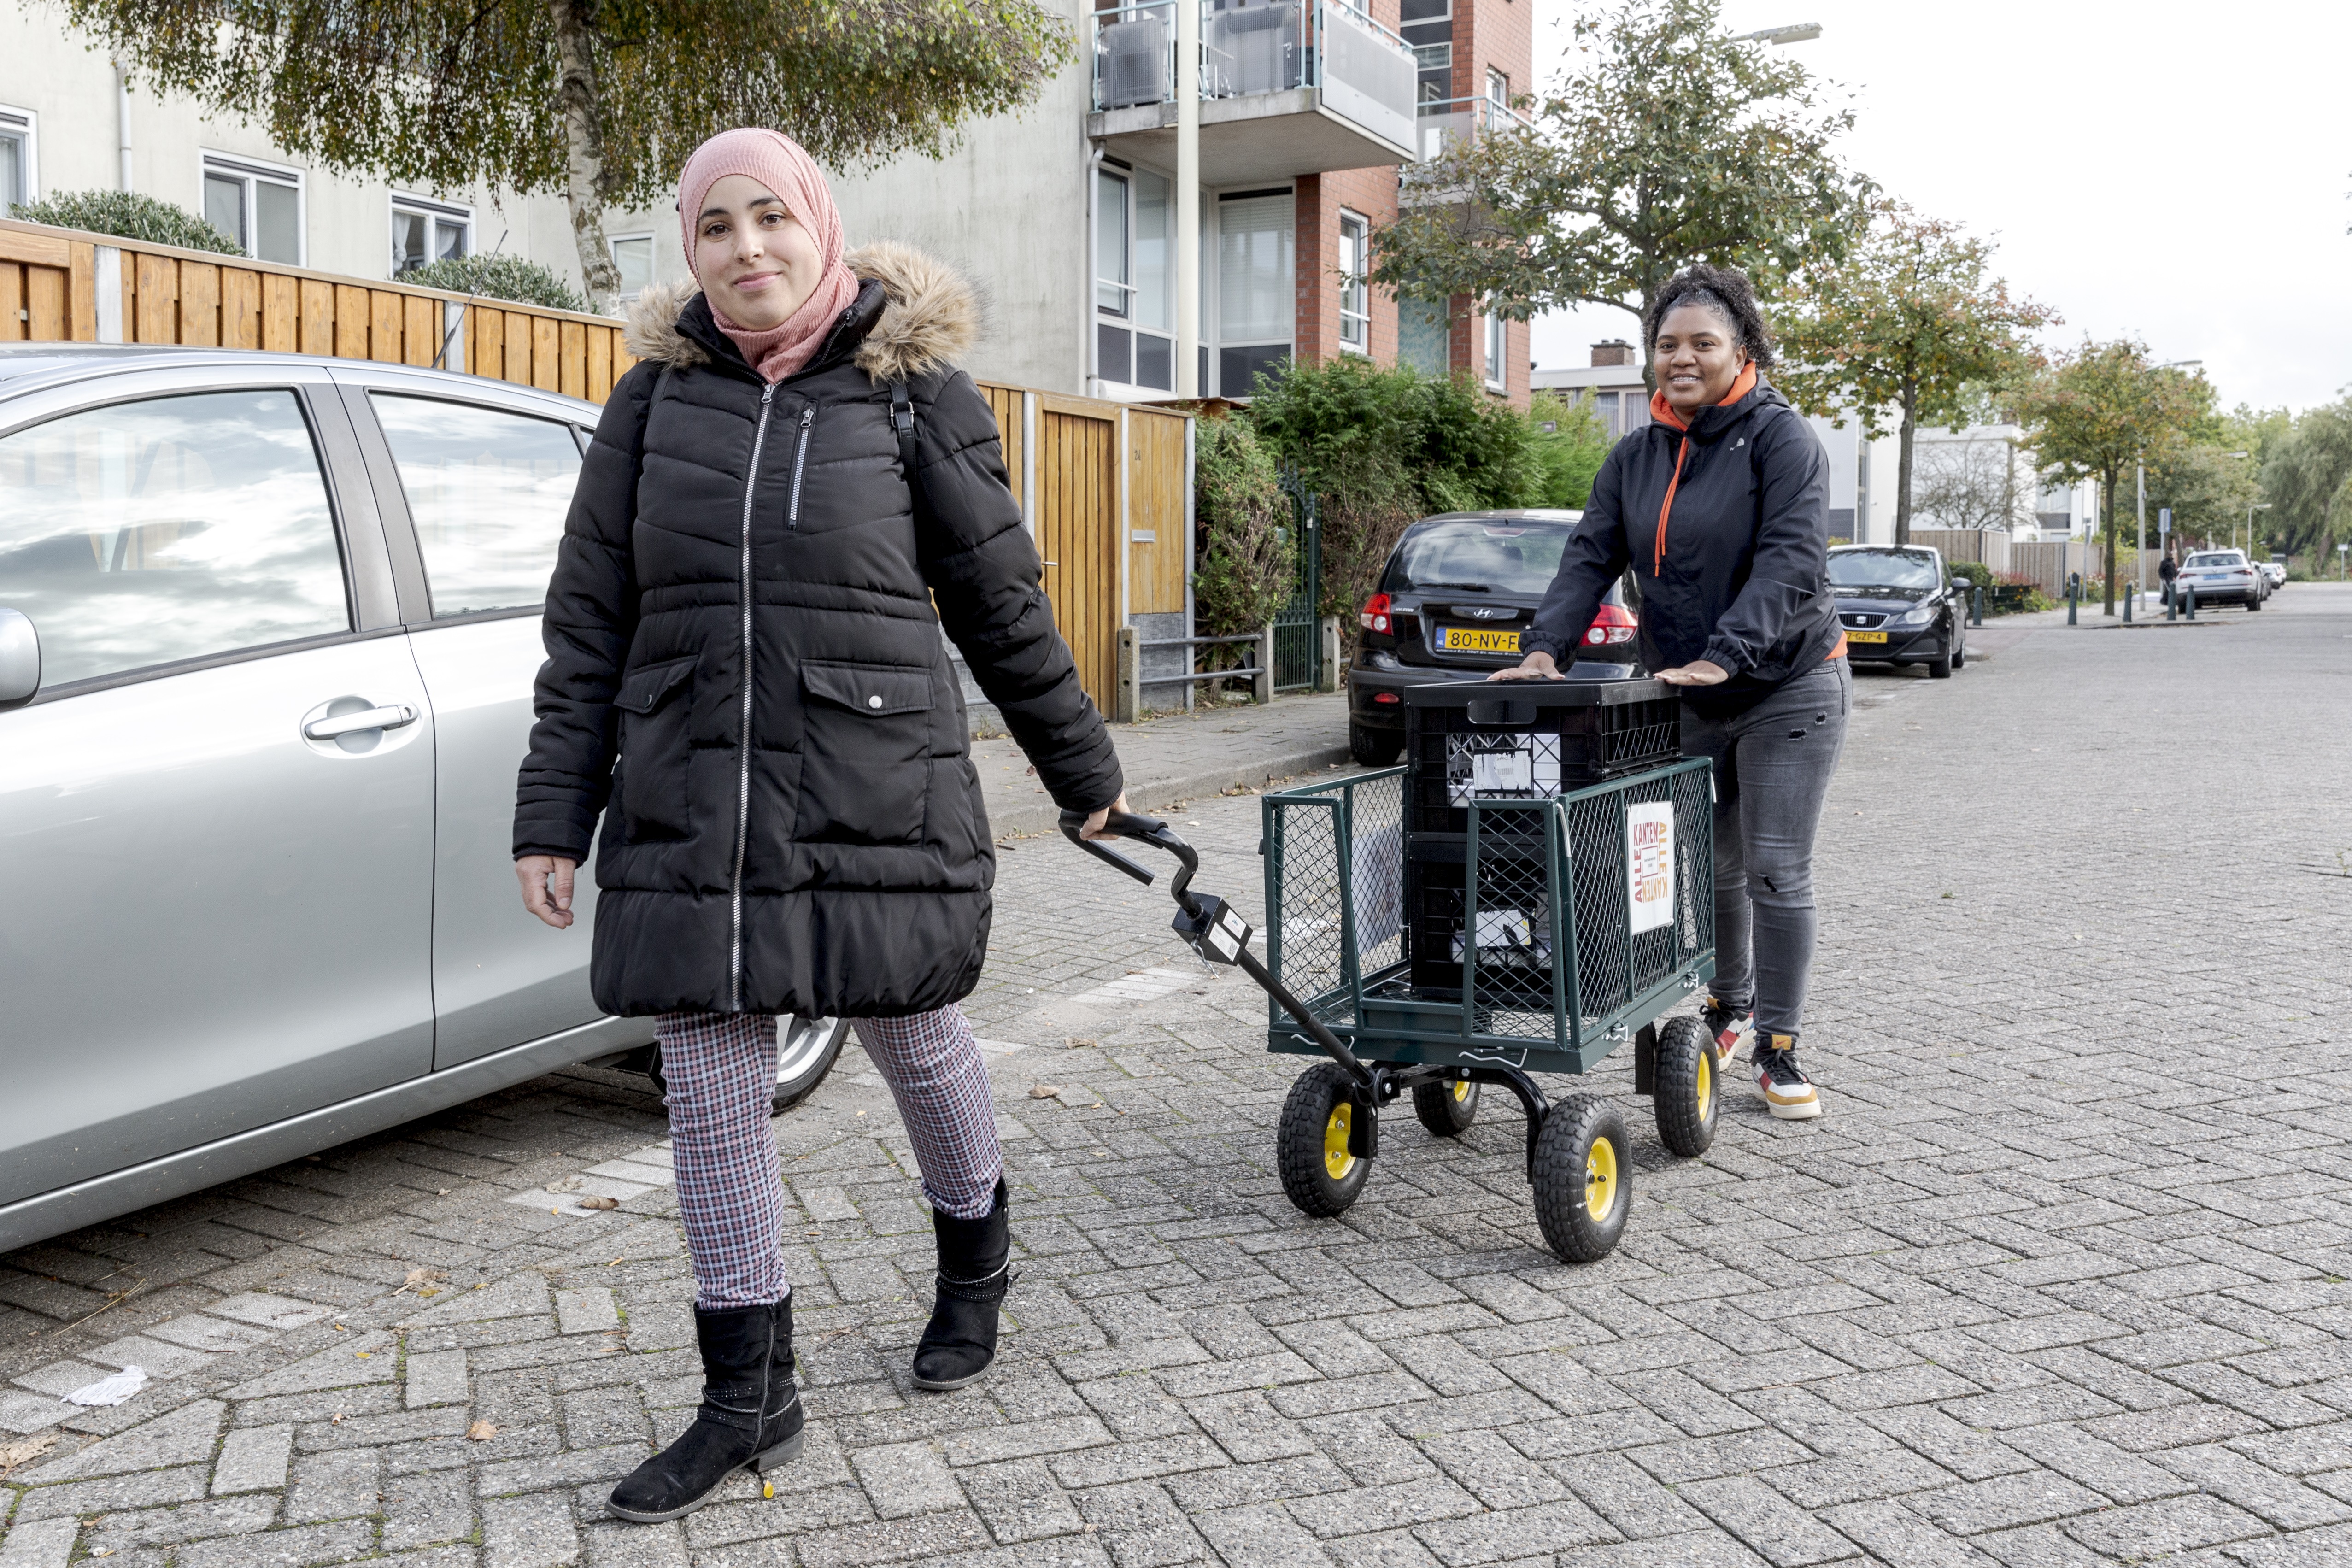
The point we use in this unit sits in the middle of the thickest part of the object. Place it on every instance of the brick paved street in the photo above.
(2060, 1280)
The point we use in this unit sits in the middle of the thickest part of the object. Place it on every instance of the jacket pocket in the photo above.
(654, 750)
(864, 754)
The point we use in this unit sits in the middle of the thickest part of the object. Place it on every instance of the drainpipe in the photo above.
(123, 120)
(1086, 278)
(1188, 198)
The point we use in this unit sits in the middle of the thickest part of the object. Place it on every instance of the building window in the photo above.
(1422, 336)
(1498, 88)
(1355, 291)
(1428, 27)
(1133, 306)
(258, 207)
(18, 165)
(1498, 333)
(1258, 242)
(426, 232)
(633, 255)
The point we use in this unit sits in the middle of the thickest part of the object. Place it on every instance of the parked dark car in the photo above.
(1899, 606)
(1458, 590)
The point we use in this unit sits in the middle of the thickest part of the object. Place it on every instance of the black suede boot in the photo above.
(750, 1415)
(974, 1272)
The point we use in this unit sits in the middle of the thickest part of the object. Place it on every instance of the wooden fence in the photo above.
(1105, 487)
(1967, 545)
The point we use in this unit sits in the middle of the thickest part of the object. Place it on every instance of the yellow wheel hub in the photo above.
(1705, 1084)
(1601, 1179)
(1337, 1161)
(1461, 1088)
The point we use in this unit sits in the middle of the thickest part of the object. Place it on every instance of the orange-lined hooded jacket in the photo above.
(1726, 526)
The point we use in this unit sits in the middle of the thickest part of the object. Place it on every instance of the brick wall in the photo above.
(1371, 194)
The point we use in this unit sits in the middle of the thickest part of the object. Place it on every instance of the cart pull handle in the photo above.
(1143, 829)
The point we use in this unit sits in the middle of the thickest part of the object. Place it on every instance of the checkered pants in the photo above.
(722, 1072)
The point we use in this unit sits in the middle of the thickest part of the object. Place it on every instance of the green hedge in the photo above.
(127, 215)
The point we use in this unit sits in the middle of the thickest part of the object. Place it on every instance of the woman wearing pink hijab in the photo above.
(746, 680)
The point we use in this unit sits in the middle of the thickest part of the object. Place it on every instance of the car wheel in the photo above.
(2253, 603)
(1940, 668)
(1374, 748)
(806, 1050)
(1960, 656)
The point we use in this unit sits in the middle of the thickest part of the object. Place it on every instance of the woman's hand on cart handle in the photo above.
(1096, 818)
(547, 887)
(1698, 672)
(1537, 666)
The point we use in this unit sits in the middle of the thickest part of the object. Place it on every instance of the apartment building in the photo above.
(1066, 213)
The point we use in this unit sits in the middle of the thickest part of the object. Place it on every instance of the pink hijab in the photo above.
(777, 162)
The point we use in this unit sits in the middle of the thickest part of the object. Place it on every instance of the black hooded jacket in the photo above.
(745, 663)
(1741, 578)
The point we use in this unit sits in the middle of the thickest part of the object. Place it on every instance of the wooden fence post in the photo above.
(1261, 687)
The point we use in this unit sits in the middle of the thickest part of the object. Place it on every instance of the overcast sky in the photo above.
(2174, 171)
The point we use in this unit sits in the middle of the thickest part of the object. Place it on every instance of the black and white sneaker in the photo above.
(1788, 1093)
(1727, 1025)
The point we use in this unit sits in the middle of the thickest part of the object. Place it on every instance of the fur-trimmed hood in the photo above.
(930, 316)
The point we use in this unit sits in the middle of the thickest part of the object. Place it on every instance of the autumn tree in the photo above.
(2103, 408)
(1904, 330)
(1669, 141)
(602, 99)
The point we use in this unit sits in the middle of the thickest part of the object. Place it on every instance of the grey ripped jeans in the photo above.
(1773, 768)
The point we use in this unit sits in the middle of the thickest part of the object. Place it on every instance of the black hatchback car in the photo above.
(1456, 594)
(1899, 606)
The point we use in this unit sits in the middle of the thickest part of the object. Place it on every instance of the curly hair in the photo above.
(1724, 290)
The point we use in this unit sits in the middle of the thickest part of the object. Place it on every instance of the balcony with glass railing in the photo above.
(1445, 126)
(1288, 88)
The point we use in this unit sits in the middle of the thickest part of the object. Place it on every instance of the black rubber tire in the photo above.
(1308, 1178)
(1961, 654)
(798, 1072)
(1687, 1087)
(1940, 668)
(1567, 1162)
(1374, 748)
(1447, 1110)
(2252, 604)
(802, 1064)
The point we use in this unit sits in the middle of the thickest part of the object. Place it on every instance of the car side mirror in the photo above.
(20, 658)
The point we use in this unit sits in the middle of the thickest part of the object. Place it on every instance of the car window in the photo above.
(2215, 560)
(1501, 557)
(1882, 569)
(487, 490)
(143, 533)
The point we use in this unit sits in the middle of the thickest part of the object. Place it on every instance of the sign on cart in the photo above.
(1649, 864)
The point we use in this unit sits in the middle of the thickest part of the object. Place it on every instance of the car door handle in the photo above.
(392, 716)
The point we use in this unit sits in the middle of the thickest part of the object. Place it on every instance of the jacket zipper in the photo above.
(800, 458)
(744, 744)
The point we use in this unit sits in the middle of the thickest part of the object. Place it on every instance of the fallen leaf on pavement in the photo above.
(418, 1278)
(1043, 1090)
(562, 1184)
(15, 1453)
(482, 1431)
(1077, 1042)
(600, 1203)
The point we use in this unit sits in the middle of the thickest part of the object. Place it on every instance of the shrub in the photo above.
(1460, 448)
(1244, 569)
(1974, 573)
(127, 215)
(1568, 455)
(499, 277)
(1364, 505)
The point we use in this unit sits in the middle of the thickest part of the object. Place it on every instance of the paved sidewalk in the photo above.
(1178, 756)
(2060, 1279)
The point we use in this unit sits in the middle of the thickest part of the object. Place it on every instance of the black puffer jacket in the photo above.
(810, 840)
(1741, 578)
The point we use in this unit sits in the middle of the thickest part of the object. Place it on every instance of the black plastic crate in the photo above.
(1526, 739)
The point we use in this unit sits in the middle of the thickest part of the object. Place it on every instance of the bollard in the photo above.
(2171, 604)
(1976, 606)
(2129, 595)
(2071, 601)
(2190, 593)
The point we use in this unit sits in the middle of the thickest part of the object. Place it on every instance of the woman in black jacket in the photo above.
(1720, 507)
(746, 680)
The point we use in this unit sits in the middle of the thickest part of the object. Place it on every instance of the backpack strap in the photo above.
(902, 421)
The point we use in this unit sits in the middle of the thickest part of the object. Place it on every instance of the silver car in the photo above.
(268, 628)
